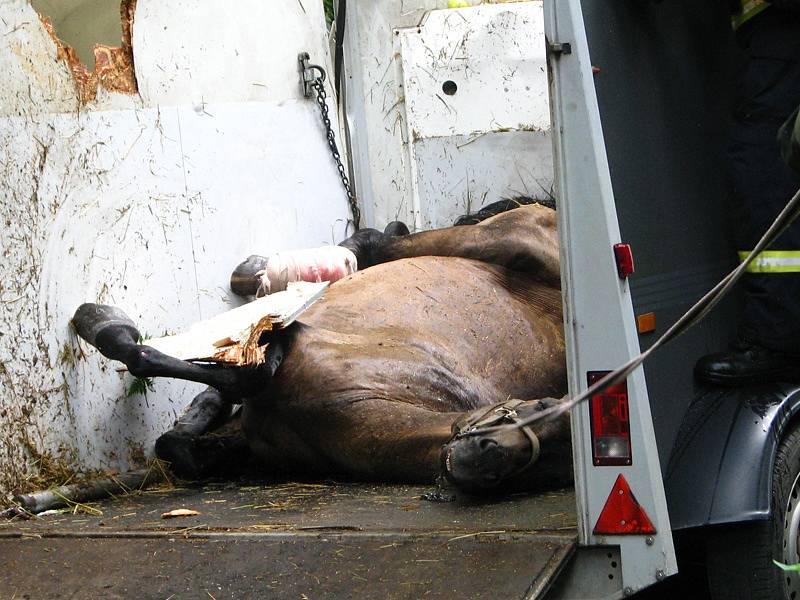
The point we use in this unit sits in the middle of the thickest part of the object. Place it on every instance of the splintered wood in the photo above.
(114, 68)
(234, 337)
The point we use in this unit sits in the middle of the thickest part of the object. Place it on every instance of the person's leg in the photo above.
(760, 186)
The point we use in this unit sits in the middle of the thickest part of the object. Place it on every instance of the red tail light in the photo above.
(611, 429)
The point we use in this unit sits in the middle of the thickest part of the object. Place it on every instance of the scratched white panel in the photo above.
(477, 109)
(377, 96)
(147, 204)
(494, 54)
(459, 174)
(231, 51)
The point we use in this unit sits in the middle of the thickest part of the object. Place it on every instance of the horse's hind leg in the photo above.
(113, 333)
(524, 239)
(206, 440)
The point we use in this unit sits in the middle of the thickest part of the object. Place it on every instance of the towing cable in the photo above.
(690, 318)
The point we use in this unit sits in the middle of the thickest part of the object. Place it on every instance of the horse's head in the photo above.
(507, 451)
(482, 462)
(474, 460)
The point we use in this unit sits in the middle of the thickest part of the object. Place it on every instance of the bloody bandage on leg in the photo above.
(328, 263)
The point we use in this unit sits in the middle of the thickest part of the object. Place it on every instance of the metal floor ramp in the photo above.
(298, 541)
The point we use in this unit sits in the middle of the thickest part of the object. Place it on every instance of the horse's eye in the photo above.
(487, 443)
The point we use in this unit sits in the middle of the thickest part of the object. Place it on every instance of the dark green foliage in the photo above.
(328, 4)
(140, 386)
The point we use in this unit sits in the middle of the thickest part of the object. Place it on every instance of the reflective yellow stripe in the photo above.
(774, 261)
(750, 8)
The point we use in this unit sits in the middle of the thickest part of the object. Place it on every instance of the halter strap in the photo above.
(497, 414)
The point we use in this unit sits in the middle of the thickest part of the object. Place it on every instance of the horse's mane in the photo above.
(501, 206)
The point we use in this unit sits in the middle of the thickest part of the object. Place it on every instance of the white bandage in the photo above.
(328, 263)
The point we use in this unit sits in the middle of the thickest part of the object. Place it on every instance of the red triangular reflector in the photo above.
(622, 514)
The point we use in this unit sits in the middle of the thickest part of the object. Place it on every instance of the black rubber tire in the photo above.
(739, 557)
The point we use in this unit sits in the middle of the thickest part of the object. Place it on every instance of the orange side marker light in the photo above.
(646, 323)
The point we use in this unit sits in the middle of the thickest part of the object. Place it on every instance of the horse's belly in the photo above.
(447, 333)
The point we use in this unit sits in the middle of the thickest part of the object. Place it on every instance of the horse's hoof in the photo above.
(178, 450)
(91, 319)
(244, 279)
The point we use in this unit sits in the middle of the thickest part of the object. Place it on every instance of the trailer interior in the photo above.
(662, 81)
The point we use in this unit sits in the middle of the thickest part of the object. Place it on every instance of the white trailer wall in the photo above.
(448, 109)
(146, 202)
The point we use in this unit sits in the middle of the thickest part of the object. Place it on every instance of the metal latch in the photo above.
(309, 73)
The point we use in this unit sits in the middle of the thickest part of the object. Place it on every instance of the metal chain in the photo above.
(318, 84)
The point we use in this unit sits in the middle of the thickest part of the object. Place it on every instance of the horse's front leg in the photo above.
(114, 334)
(206, 440)
(394, 441)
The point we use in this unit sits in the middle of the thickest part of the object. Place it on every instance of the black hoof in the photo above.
(244, 281)
(92, 319)
(215, 455)
(179, 451)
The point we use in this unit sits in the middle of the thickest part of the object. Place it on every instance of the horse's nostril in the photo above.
(487, 443)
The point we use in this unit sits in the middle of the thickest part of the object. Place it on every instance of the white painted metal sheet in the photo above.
(146, 203)
(456, 175)
(425, 156)
(471, 70)
(477, 109)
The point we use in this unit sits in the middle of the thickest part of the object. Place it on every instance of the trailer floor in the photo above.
(294, 540)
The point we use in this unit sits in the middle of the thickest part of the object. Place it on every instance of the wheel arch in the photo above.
(720, 468)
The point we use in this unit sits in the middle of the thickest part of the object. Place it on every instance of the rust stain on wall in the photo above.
(114, 67)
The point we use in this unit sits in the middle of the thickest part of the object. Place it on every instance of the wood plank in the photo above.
(233, 336)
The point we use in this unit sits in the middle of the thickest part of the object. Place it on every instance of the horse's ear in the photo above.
(396, 229)
(365, 244)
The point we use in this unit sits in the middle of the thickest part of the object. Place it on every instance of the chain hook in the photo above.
(312, 83)
(307, 73)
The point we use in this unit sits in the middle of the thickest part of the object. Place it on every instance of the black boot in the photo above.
(747, 363)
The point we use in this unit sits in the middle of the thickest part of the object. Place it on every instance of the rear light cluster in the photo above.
(611, 445)
(611, 430)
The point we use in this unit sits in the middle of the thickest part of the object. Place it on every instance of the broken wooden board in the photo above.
(233, 336)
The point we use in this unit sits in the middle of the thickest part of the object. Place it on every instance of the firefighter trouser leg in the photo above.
(761, 183)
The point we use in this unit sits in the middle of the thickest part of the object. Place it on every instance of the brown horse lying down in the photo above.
(434, 333)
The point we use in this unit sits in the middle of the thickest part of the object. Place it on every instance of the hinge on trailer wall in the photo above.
(560, 48)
